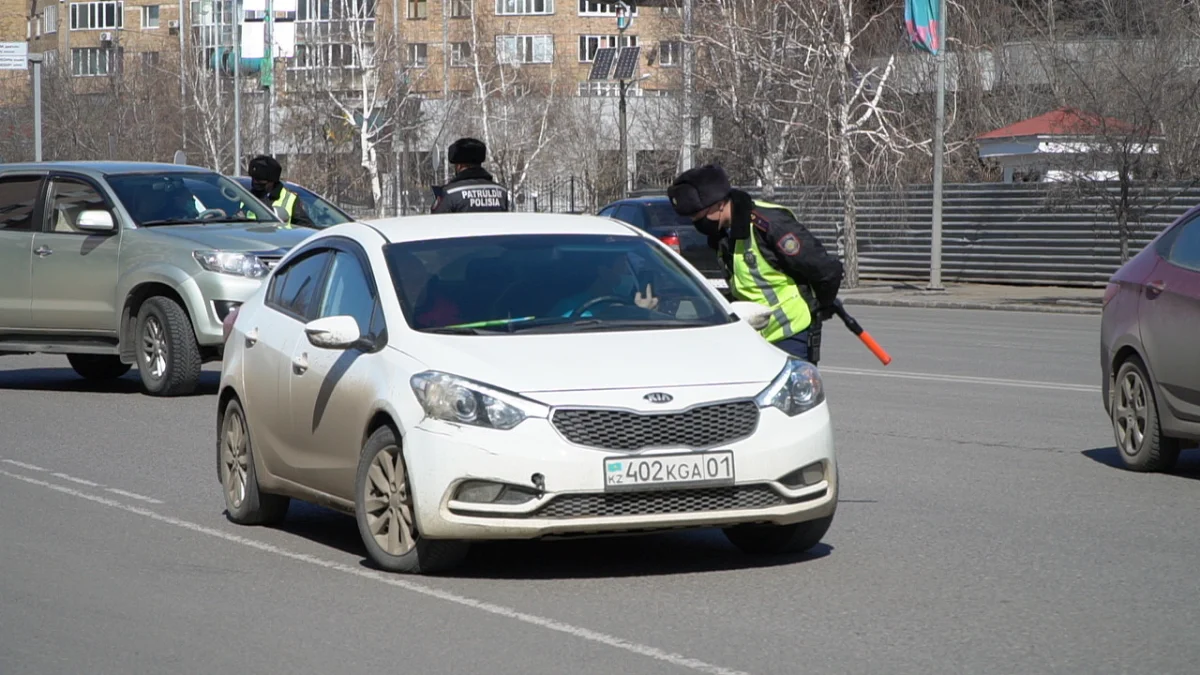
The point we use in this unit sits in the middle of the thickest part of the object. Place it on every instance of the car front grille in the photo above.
(701, 427)
(598, 505)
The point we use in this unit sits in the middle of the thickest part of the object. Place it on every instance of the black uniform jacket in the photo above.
(786, 245)
(471, 190)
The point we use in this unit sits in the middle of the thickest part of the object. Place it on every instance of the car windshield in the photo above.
(323, 213)
(546, 283)
(185, 197)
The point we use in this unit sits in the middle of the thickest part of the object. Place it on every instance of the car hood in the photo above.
(236, 236)
(528, 364)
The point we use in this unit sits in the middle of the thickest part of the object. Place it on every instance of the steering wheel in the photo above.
(211, 214)
(608, 299)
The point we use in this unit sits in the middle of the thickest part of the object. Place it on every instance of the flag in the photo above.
(921, 19)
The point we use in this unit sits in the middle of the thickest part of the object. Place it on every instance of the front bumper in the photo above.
(573, 501)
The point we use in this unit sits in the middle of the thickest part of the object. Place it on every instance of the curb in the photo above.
(966, 304)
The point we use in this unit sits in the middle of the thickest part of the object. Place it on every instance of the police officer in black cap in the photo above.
(472, 188)
(265, 172)
(771, 259)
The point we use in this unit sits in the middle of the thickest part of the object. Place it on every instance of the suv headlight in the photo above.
(796, 389)
(455, 399)
(232, 262)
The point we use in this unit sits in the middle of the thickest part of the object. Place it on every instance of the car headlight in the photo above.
(455, 399)
(232, 262)
(796, 389)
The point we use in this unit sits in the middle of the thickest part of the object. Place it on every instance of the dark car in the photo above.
(323, 213)
(655, 215)
(1150, 348)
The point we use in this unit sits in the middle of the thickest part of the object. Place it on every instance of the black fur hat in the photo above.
(266, 168)
(697, 189)
(467, 151)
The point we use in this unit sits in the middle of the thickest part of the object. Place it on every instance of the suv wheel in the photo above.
(1140, 441)
(98, 366)
(168, 356)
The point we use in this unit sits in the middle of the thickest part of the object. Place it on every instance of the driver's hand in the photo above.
(648, 301)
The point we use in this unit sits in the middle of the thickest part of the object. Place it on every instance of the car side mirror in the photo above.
(95, 221)
(752, 313)
(333, 332)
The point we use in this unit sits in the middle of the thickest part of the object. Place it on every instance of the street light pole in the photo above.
(239, 14)
(939, 130)
(624, 135)
(36, 60)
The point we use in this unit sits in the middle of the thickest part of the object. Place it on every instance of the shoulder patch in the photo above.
(789, 244)
(758, 221)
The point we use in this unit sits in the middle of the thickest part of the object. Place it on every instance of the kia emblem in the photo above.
(659, 397)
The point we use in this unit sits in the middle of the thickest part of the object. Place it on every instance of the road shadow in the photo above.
(67, 380)
(1188, 465)
(646, 555)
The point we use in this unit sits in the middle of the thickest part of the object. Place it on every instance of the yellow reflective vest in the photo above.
(755, 280)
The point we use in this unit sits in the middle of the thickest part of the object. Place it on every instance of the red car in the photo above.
(1150, 348)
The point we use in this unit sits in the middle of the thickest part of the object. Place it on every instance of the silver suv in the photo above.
(116, 263)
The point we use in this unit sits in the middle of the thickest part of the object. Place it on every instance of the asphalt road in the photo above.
(983, 528)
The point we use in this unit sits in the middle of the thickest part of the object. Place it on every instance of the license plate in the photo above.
(655, 471)
(718, 284)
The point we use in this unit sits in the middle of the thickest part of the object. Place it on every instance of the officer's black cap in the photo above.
(265, 167)
(467, 151)
(697, 189)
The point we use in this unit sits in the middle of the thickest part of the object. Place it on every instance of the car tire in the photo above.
(383, 508)
(245, 503)
(1136, 425)
(98, 366)
(777, 539)
(168, 357)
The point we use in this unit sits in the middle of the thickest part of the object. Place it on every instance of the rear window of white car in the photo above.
(547, 283)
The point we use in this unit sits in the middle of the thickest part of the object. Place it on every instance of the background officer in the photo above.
(472, 188)
(264, 172)
(771, 258)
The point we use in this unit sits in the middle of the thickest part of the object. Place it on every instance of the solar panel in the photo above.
(627, 63)
(603, 63)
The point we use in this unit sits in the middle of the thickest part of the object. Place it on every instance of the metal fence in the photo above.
(1028, 233)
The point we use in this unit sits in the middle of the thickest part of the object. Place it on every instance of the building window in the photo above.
(150, 59)
(460, 9)
(150, 16)
(50, 20)
(588, 8)
(418, 9)
(588, 44)
(607, 89)
(460, 54)
(506, 7)
(418, 54)
(516, 49)
(670, 53)
(95, 62)
(97, 15)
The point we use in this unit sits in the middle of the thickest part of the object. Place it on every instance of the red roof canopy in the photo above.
(1061, 122)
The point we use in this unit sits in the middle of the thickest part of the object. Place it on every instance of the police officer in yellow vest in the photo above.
(264, 172)
(771, 258)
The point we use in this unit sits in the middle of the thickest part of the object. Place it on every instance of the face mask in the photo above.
(258, 185)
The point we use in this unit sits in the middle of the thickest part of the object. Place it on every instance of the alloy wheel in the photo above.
(1130, 413)
(389, 514)
(154, 347)
(235, 457)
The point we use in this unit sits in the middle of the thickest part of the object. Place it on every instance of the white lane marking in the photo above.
(23, 465)
(76, 480)
(506, 612)
(965, 379)
(134, 495)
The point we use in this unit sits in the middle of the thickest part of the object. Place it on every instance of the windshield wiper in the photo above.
(454, 330)
(170, 221)
(583, 325)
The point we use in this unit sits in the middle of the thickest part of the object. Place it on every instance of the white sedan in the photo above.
(452, 378)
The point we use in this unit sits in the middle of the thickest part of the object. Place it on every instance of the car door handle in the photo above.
(43, 251)
(252, 338)
(300, 364)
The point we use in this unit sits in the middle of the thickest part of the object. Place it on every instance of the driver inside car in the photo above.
(166, 199)
(611, 276)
